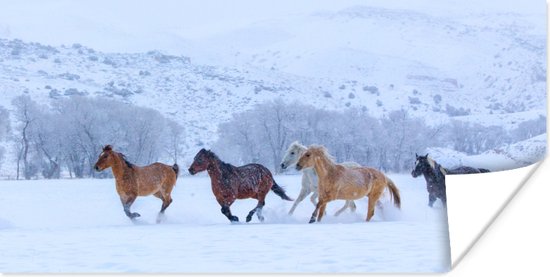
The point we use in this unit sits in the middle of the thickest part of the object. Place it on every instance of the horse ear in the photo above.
(416, 155)
(108, 147)
(426, 156)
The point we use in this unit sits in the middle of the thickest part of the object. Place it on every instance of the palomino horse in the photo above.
(133, 181)
(340, 182)
(309, 177)
(231, 182)
(434, 174)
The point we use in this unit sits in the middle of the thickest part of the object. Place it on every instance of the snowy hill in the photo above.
(484, 66)
(511, 156)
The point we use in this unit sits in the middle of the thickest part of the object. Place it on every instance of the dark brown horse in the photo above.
(231, 182)
(133, 181)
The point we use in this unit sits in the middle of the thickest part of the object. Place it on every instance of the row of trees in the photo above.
(67, 136)
(262, 135)
(70, 133)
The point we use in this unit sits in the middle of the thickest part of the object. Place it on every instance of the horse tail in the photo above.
(176, 169)
(395, 193)
(280, 191)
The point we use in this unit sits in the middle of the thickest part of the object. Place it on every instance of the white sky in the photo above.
(136, 26)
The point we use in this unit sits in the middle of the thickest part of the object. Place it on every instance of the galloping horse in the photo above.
(309, 177)
(339, 182)
(133, 181)
(230, 183)
(434, 174)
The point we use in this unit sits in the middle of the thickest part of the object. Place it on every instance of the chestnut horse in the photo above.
(133, 181)
(231, 182)
(340, 182)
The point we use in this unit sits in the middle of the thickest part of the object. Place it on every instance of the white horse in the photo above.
(309, 177)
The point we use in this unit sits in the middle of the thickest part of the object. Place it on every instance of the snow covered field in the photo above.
(78, 226)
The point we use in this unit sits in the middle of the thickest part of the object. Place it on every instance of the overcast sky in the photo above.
(136, 26)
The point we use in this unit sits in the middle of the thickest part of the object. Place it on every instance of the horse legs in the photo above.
(349, 204)
(352, 206)
(373, 201)
(303, 193)
(127, 203)
(319, 210)
(313, 197)
(166, 201)
(227, 213)
(443, 198)
(431, 199)
(257, 210)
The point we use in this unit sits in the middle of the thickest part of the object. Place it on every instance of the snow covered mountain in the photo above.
(487, 68)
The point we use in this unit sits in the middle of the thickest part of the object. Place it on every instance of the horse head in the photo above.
(293, 153)
(311, 155)
(421, 165)
(105, 159)
(200, 162)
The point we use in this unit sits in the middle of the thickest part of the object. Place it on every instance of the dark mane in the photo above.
(224, 167)
(129, 164)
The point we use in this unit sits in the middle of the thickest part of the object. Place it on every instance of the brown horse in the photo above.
(340, 182)
(231, 182)
(133, 181)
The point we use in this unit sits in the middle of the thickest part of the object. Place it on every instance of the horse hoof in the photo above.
(134, 215)
(234, 219)
(248, 218)
(312, 220)
(261, 218)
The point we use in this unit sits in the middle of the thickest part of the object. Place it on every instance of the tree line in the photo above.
(67, 136)
(262, 135)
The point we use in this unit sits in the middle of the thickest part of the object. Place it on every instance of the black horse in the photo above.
(434, 174)
(466, 170)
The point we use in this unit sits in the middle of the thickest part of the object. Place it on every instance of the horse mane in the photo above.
(435, 165)
(296, 146)
(123, 157)
(223, 165)
(324, 152)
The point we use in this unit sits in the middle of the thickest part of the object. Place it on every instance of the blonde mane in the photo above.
(324, 152)
(432, 164)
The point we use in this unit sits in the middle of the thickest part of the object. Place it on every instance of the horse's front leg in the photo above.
(257, 210)
(127, 202)
(227, 212)
(319, 210)
(431, 199)
(303, 193)
(444, 199)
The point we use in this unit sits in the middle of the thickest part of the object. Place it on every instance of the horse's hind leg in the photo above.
(373, 200)
(257, 210)
(127, 203)
(166, 201)
(349, 204)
